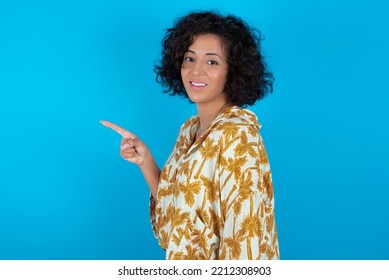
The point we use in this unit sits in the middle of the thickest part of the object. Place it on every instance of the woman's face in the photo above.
(204, 70)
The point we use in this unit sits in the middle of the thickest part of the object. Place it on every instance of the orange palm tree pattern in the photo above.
(215, 196)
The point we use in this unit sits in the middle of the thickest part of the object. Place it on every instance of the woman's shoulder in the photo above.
(238, 118)
(236, 124)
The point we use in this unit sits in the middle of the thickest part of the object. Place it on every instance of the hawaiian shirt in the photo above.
(215, 195)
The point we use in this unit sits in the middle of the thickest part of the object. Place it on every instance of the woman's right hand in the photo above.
(132, 148)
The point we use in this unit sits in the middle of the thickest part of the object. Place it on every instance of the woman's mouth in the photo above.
(197, 84)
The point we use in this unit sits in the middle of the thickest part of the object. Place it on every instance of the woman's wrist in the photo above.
(148, 160)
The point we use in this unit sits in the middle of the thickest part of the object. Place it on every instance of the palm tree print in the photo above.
(215, 196)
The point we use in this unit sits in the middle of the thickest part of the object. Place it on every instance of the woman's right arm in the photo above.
(151, 172)
(134, 150)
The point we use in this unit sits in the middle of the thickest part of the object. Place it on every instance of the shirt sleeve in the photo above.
(247, 202)
(153, 218)
(156, 210)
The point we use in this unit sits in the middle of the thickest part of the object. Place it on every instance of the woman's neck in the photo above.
(208, 113)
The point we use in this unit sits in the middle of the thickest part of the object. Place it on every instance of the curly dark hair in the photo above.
(247, 80)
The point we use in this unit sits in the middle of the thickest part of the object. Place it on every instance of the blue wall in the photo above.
(65, 193)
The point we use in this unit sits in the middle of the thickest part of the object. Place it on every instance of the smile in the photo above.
(197, 84)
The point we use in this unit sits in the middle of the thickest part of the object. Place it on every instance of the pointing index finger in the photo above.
(125, 133)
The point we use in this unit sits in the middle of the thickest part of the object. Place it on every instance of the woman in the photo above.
(213, 198)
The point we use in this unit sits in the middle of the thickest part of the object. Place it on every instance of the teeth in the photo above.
(198, 84)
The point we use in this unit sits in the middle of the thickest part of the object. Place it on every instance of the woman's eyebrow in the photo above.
(205, 54)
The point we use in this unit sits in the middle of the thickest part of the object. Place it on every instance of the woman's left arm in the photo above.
(246, 189)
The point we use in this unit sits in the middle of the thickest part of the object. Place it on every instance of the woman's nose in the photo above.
(198, 68)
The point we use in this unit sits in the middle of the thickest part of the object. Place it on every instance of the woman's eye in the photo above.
(188, 59)
(213, 62)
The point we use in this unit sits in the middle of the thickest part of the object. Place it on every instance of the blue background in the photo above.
(65, 193)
